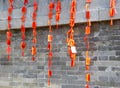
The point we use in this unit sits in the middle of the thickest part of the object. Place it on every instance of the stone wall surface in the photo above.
(99, 12)
(22, 72)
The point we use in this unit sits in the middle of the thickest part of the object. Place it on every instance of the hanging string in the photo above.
(50, 38)
(70, 34)
(34, 25)
(58, 11)
(23, 30)
(112, 10)
(86, 40)
(9, 33)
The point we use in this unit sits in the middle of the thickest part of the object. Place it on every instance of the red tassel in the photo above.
(49, 73)
(49, 82)
(33, 50)
(51, 6)
(23, 36)
(88, 1)
(9, 19)
(34, 40)
(23, 18)
(50, 38)
(50, 54)
(87, 77)
(87, 30)
(9, 26)
(112, 12)
(8, 57)
(50, 15)
(22, 52)
(87, 14)
(87, 86)
(22, 28)
(10, 1)
(23, 45)
(49, 63)
(72, 22)
(49, 45)
(34, 24)
(85, 39)
(9, 34)
(24, 10)
(33, 58)
(72, 63)
(10, 9)
(88, 60)
(34, 15)
(35, 6)
(8, 50)
(57, 17)
(25, 2)
(34, 32)
(8, 41)
(112, 3)
(87, 68)
(73, 4)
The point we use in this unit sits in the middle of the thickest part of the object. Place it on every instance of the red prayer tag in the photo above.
(87, 77)
(8, 50)
(34, 15)
(57, 17)
(23, 45)
(33, 50)
(87, 30)
(34, 25)
(72, 63)
(33, 58)
(9, 18)
(8, 41)
(88, 1)
(50, 38)
(87, 86)
(49, 73)
(88, 60)
(25, 2)
(23, 18)
(87, 14)
(10, 9)
(35, 6)
(9, 34)
(112, 12)
(24, 10)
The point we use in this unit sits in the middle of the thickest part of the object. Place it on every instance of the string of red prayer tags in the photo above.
(23, 19)
(70, 34)
(86, 40)
(9, 33)
(34, 25)
(112, 11)
(58, 11)
(50, 38)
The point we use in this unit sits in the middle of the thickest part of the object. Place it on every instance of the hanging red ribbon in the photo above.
(70, 34)
(23, 30)
(58, 11)
(86, 40)
(9, 33)
(50, 38)
(34, 26)
(112, 10)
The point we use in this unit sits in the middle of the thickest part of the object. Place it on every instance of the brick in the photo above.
(71, 86)
(103, 78)
(102, 68)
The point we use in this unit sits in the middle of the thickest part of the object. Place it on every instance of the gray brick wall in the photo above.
(21, 72)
